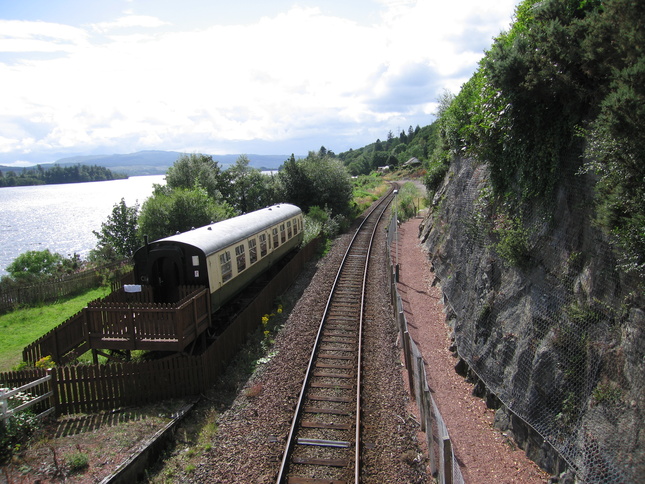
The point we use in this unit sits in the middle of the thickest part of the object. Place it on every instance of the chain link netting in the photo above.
(542, 317)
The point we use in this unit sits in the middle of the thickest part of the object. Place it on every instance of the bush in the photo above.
(78, 461)
(407, 201)
(513, 242)
(434, 176)
(18, 428)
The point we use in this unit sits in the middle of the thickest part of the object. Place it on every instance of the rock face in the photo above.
(543, 317)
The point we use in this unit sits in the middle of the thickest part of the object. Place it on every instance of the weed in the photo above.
(607, 394)
(78, 461)
(513, 242)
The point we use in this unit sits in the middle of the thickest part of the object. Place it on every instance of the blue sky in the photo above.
(218, 77)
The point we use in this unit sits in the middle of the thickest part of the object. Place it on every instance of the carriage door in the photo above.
(167, 274)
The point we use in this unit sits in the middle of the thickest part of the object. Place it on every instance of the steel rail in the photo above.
(299, 410)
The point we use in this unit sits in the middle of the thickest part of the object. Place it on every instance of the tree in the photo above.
(249, 189)
(118, 237)
(35, 265)
(196, 170)
(169, 211)
(316, 181)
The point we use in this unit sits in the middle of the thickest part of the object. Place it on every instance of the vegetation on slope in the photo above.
(561, 94)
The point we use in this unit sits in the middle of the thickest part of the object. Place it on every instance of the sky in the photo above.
(83, 77)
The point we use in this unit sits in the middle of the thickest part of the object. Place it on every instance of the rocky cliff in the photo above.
(545, 321)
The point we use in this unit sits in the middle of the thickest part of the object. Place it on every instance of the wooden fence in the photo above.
(53, 289)
(91, 388)
(63, 343)
(443, 463)
(126, 321)
(37, 383)
(115, 323)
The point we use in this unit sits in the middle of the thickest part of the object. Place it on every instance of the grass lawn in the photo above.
(23, 326)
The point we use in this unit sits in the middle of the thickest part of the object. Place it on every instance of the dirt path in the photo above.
(484, 454)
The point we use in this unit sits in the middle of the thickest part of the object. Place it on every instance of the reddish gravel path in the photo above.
(485, 455)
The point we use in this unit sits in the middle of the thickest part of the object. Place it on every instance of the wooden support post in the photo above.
(447, 461)
(421, 398)
(408, 360)
(429, 431)
(53, 387)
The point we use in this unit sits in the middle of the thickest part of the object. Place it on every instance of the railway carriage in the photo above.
(225, 256)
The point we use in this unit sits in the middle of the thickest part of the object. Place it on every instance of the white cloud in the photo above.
(130, 21)
(288, 76)
(30, 36)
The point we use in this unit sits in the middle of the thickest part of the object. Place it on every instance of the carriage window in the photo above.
(253, 251)
(241, 258)
(289, 233)
(225, 265)
(275, 237)
(283, 235)
(263, 245)
(295, 226)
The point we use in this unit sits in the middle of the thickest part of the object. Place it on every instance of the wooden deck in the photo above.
(131, 321)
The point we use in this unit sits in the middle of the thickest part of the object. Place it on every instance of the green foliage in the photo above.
(196, 170)
(607, 394)
(35, 265)
(58, 174)
(407, 201)
(316, 181)
(118, 238)
(418, 143)
(167, 212)
(616, 141)
(564, 65)
(248, 188)
(17, 429)
(512, 242)
(77, 461)
(435, 174)
(323, 222)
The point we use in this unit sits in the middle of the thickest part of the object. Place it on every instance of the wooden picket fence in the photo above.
(443, 463)
(63, 343)
(37, 383)
(54, 289)
(92, 388)
(134, 322)
(126, 321)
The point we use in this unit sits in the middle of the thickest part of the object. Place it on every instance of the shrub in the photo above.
(434, 176)
(513, 242)
(18, 428)
(78, 461)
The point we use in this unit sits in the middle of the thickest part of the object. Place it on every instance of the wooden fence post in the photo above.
(430, 417)
(447, 461)
(53, 386)
(408, 359)
(421, 380)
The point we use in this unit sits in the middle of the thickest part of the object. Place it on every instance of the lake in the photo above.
(61, 218)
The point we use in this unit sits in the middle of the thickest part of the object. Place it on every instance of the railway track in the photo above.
(323, 445)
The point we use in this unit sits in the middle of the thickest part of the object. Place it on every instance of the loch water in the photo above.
(61, 218)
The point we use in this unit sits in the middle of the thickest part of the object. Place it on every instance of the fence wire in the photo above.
(540, 311)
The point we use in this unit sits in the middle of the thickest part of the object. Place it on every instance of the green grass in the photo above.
(23, 326)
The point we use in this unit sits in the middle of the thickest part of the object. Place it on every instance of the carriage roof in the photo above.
(214, 237)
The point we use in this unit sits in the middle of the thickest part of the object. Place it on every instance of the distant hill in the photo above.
(155, 162)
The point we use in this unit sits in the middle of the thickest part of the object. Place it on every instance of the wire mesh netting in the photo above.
(545, 317)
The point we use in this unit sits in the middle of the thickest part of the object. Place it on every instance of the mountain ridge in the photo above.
(153, 162)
